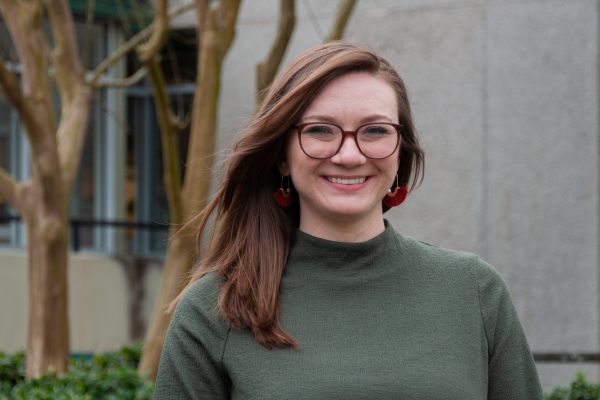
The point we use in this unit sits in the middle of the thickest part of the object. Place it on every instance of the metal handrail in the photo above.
(566, 357)
(76, 223)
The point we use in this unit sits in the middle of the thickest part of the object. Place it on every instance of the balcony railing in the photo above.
(76, 225)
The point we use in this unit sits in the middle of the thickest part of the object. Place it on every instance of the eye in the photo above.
(377, 130)
(318, 130)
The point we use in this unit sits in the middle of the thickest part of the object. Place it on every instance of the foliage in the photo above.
(580, 389)
(108, 376)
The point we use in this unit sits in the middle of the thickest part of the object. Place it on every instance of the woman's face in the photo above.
(349, 101)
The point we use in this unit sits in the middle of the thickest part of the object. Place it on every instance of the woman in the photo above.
(310, 293)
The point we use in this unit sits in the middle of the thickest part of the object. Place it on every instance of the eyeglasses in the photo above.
(324, 140)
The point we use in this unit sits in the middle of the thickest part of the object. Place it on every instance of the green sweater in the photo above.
(390, 318)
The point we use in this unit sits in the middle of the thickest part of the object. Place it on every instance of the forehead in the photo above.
(353, 96)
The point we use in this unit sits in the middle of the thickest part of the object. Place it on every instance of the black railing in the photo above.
(567, 357)
(77, 224)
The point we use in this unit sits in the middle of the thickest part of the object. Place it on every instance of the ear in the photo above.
(284, 168)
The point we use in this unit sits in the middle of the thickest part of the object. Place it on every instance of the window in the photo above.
(146, 199)
(145, 196)
(5, 162)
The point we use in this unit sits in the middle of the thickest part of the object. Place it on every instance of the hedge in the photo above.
(580, 389)
(113, 376)
(109, 376)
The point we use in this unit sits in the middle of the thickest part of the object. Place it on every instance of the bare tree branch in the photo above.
(266, 69)
(24, 22)
(341, 19)
(313, 19)
(202, 8)
(124, 82)
(12, 90)
(68, 72)
(9, 190)
(217, 29)
(137, 12)
(148, 55)
(151, 48)
(70, 134)
(75, 94)
(87, 36)
(131, 44)
(170, 145)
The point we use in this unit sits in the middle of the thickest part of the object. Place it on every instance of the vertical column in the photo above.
(113, 160)
(21, 169)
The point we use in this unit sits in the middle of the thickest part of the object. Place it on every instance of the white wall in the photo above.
(99, 301)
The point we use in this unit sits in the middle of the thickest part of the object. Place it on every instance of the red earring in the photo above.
(284, 197)
(395, 198)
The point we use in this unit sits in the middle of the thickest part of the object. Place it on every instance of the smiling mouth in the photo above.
(346, 181)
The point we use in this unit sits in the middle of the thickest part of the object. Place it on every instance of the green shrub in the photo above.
(580, 389)
(110, 376)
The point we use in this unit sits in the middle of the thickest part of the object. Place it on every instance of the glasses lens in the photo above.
(320, 140)
(377, 140)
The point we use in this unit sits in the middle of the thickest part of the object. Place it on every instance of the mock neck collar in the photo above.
(310, 251)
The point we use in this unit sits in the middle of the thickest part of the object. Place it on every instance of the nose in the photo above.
(349, 154)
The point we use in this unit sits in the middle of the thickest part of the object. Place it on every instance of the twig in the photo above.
(313, 19)
(124, 20)
(9, 189)
(341, 19)
(131, 44)
(68, 72)
(89, 20)
(123, 82)
(176, 75)
(151, 48)
(12, 91)
(266, 70)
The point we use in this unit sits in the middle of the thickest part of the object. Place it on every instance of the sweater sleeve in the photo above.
(191, 361)
(511, 370)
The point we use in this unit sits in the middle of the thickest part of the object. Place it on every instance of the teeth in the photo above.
(346, 181)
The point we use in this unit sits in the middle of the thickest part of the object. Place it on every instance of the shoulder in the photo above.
(202, 293)
(191, 363)
(198, 310)
(445, 261)
(462, 269)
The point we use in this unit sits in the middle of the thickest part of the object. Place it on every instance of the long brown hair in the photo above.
(250, 248)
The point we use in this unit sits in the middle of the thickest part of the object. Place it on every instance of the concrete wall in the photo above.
(505, 97)
(110, 301)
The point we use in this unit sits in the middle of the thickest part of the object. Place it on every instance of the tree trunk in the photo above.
(217, 28)
(48, 334)
(180, 258)
(43, 201)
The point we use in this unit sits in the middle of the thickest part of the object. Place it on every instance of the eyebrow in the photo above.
(325, 118)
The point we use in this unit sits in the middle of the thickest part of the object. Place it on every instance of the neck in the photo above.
(349, 229)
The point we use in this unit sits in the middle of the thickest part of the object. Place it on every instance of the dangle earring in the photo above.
(284, 197)
(395, 198)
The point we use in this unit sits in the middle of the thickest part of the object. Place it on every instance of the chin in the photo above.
(350, 210)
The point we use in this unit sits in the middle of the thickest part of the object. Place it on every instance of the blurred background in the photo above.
(505, 96)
